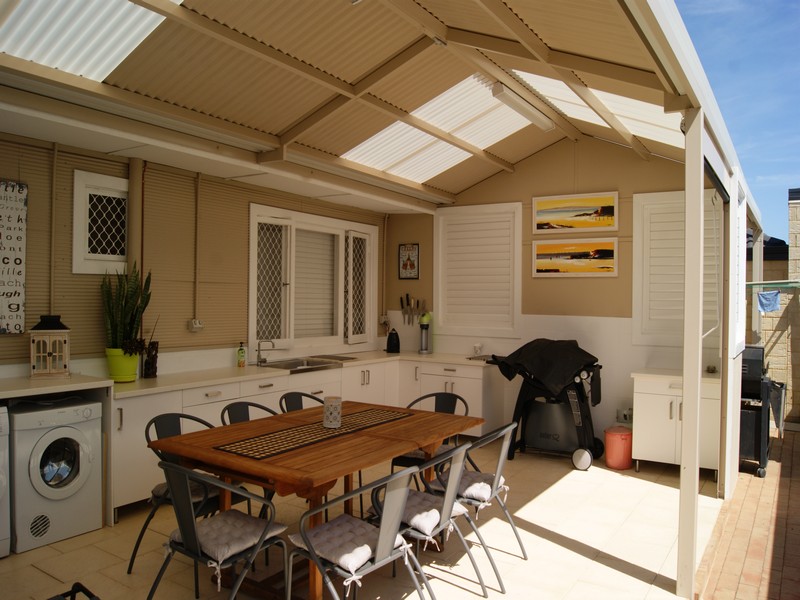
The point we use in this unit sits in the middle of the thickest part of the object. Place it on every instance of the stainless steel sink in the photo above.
(304, 365)
(337, 357)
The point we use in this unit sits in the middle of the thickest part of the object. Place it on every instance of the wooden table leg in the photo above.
(348, 487)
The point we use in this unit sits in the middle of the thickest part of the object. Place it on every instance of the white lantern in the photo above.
(49, 347)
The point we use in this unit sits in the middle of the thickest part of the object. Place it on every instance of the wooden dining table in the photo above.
(293, 453)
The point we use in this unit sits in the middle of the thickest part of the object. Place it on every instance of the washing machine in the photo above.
(5, 483)
(56, 472)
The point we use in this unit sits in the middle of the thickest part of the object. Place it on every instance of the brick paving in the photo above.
(755, 551)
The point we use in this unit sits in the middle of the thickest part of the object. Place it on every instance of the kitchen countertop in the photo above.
(189, 379)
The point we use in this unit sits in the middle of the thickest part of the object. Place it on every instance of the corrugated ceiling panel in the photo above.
(188, 69)
(426, 76)
(351, 125)
(465, 15)
(363, 35)
(596, 28)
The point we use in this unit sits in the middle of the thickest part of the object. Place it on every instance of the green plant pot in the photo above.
(122, 367)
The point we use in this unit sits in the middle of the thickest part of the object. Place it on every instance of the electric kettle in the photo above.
(393, 342)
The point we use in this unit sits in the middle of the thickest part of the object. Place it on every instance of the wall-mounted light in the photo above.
(523, 107)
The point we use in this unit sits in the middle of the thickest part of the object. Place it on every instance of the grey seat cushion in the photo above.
(422, 511)
(228, 533)
(345, 541)
(474, 485)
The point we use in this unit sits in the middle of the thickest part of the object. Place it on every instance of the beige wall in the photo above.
(573, 168)
(409, 229)
(195, 243)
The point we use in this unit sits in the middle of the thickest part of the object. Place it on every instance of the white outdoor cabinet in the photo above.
(364, 383)
(135, 466)
(658, 413)
(468, 381)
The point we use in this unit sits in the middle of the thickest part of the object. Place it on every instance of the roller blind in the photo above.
(315, 284)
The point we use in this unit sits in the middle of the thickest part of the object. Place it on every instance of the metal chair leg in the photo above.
(141, 535)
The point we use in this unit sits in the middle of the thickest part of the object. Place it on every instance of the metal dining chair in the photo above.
(242, 411)
(429, 514)
(443, 402)
(350, 547)
(291, 401)
(206, 502)
(222, 540)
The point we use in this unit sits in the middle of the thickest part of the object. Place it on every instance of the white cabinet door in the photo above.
(657, 416)
(469, 389)
(655, 427)
(266, 392)
(318, 383)
(409, 383)
(207, 403)
(364, 383)
(134, 467)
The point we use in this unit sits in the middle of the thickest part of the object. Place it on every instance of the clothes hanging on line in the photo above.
(769, 301)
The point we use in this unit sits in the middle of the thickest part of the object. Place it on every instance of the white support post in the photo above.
(692, 354)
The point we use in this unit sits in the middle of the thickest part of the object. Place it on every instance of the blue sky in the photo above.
(750, 50)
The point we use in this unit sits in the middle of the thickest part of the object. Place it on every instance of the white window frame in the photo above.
(489, 323)
(260, 213)
(85, 184)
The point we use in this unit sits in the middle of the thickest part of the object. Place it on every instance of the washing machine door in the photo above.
(60, 463)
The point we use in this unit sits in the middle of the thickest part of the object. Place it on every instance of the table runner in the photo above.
(286, 440)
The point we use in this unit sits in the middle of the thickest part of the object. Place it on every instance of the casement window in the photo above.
(99, 223)
(478, 269)
(313, 280)
(658, 267)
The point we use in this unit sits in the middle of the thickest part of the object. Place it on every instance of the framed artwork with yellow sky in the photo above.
(575, 258)
(575, 213)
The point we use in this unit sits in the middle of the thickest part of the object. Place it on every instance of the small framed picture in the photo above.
(409, 261)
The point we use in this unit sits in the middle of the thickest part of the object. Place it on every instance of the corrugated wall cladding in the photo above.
(175, 215)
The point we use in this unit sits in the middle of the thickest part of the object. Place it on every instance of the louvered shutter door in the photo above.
(659, 264)
(477, 269)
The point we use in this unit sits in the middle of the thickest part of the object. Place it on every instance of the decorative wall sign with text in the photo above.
(13, 222)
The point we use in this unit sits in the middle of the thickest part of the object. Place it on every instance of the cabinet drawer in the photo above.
(444, 370)
(211, 393)
(673, 386)
(263, 386)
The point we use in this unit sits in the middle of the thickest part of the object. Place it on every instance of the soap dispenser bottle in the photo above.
(241, 355)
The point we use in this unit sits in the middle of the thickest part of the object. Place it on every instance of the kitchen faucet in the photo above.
(259, 360)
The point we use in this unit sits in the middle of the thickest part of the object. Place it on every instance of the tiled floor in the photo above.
(593, 534)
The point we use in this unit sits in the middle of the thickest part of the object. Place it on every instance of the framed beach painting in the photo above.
(576, 212)
(575, 258)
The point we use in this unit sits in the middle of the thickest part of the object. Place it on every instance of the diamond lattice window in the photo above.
(100, 223)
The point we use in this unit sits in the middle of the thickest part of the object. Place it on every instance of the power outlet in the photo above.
(196, 325)
(625, 415)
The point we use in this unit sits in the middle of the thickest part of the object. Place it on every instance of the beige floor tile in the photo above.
(71, 566)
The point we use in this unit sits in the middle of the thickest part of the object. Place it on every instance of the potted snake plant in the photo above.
(125, 298)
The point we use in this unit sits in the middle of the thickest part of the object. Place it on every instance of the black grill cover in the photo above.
(554, 363)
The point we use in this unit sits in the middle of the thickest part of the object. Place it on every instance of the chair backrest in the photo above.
(167, 425)
(291, 401)
(240, 411)
(505, 432)
(449, 466)
(181, 500)
(444, 402)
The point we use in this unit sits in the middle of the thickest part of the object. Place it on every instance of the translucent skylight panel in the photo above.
(644, 119)
(559, 95)
(389, 146)
(461, 103)
(429, 162)
(492, 127)
(87, 38)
